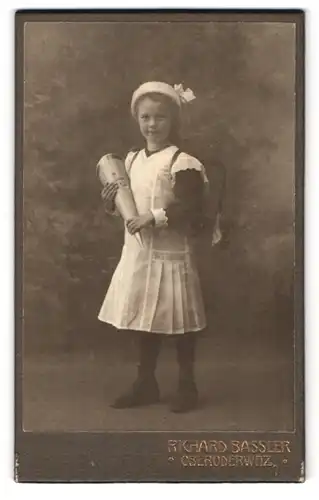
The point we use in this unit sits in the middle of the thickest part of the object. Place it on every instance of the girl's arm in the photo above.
(109, 191)
(187, 212)
(108, 196)
(190, 184)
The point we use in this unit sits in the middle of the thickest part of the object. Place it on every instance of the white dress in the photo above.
(156, 288)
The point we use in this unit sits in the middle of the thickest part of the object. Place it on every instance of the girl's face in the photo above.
(155, 120)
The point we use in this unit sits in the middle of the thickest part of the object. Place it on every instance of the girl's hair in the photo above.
(174, 135)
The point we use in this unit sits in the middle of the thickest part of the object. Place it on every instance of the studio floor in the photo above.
(74, 392)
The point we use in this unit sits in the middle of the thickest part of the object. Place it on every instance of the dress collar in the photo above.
(151, 153)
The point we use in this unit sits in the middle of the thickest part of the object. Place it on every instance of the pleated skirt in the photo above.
(155, 292)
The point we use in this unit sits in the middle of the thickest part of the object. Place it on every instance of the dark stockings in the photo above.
(185, 347)
(186, 398)
(149, 348)
(145, 389)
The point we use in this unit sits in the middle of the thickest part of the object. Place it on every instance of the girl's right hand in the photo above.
(108, 195)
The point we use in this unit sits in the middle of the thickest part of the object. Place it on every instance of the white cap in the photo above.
(158, 88)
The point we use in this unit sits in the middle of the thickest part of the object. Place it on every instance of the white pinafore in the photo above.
(156, 289)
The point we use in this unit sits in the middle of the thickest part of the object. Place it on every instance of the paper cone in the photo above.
(111, 168)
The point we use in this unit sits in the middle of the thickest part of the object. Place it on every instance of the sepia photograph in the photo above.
(159, 245)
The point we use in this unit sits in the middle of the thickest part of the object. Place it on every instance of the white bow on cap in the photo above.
(184, 95)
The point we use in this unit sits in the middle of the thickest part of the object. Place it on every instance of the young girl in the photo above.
(155, 290)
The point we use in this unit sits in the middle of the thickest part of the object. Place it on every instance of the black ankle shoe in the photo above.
(186, 398)
(144, 392)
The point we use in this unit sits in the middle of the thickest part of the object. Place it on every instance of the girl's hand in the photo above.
(108, 195)
(137, 223)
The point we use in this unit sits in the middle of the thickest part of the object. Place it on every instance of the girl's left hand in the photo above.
(139, 222)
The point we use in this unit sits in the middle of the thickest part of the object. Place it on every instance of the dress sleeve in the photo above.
(186, 162)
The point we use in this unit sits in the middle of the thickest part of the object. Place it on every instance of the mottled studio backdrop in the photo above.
(79, 78)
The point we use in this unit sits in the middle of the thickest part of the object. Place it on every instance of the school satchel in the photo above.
(204, 202)
(204, 205)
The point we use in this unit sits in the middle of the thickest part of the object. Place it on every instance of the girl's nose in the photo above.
(152, 122)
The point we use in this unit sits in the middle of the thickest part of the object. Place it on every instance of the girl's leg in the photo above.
(145, 388)
(187, 396)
